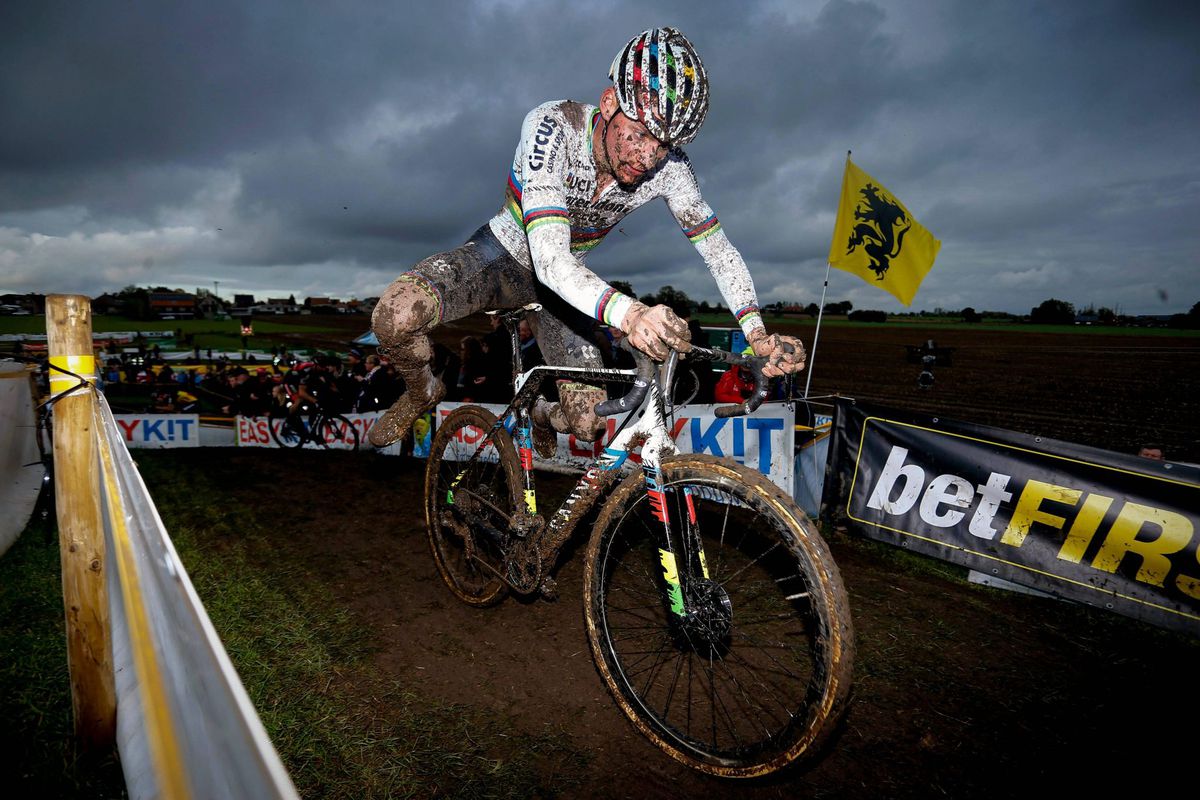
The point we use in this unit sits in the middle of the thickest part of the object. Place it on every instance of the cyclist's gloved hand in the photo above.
(655, 330)
(784, 354)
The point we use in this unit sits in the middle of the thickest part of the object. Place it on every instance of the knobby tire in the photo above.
(760, 675)
(469, 504)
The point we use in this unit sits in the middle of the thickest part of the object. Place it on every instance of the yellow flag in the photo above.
(877, 239)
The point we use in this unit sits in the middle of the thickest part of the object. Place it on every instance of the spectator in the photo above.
(735, 386)
(354, 364)
(445, 364)
(349, 382)
(1152, 451)
(249, 394)
(373, 389)
(112, 371)
(472, 371)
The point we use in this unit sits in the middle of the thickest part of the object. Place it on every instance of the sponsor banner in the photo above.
(159, 430)
(763, 441)
(256, 432)
(1102, 528)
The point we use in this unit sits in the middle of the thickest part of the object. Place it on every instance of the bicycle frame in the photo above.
(646, 427)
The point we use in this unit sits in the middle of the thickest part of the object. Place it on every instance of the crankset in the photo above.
(523, 566)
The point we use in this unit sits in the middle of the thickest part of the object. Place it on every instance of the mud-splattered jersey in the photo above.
(552, 217)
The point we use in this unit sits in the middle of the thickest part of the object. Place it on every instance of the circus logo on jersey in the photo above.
(879, 216)
(541, 138)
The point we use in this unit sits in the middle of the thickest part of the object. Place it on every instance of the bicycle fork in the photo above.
(698, 606)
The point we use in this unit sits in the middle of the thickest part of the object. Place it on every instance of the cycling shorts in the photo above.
(481, 275)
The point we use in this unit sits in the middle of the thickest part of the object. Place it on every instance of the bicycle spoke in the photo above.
(733, 679)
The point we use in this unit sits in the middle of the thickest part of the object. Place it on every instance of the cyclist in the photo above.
(577, 171)
(308, 388)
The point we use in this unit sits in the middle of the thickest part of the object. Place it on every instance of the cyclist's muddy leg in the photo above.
(561, 335)
(473, 277)
(406, 313)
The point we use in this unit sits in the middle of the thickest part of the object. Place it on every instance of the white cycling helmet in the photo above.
(660, 67)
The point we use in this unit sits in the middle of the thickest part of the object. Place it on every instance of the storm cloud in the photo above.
(310, 149)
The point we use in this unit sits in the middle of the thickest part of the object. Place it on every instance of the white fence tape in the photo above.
(185, 725)
(21, 470)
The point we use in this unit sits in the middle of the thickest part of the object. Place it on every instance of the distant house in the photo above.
(24, 303)
(331, 305)
(108, 304)
(172, 305)
(320, 305)
(274, 305)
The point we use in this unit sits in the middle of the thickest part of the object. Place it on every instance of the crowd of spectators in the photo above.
(480, 371)
(359, 383)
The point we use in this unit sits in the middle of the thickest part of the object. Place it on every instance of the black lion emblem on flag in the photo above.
(876, 232)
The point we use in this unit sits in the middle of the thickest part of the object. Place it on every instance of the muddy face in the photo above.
(627, 148)
(633, 150)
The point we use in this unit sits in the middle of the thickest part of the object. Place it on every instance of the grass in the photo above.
(37, 757)
(342, 728)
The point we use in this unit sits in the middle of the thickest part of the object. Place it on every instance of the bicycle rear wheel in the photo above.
(286, 429)
(756, 672)
(469, 503)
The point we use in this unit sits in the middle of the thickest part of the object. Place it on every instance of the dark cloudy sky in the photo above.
(321, 148)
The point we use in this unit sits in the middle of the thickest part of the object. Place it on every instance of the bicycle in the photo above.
(294, 429)
(714, 611)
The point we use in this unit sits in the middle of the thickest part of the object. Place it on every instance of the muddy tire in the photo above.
(469, 502)
(755, 674)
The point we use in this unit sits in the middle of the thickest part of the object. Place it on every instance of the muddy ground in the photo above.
(960, 691)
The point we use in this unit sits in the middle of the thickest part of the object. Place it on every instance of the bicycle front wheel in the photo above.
(337, 431)
(747, 667)
(469, 502)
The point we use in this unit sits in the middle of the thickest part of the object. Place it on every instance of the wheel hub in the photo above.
(710, 613)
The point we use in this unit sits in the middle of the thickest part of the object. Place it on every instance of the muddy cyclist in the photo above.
(578, 170)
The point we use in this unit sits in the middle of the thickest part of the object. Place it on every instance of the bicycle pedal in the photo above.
(549, 590)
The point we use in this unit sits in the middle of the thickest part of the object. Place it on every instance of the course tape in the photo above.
(185, 725)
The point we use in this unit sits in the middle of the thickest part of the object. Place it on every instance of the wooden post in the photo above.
(80, 524)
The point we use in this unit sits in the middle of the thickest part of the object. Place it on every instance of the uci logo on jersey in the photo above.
(545, 129)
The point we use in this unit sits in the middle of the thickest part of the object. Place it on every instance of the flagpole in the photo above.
(820, 313)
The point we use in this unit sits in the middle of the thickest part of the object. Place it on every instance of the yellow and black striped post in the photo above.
(80, 524)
